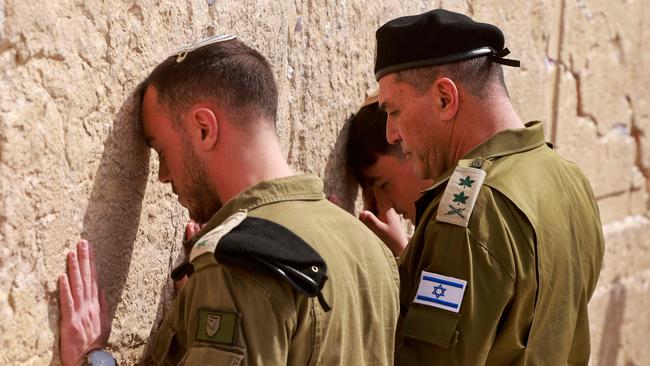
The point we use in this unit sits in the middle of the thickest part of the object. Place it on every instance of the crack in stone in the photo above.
(580, 110)
(613, 194)
(638, 134)
(470, 8)
(558, 75)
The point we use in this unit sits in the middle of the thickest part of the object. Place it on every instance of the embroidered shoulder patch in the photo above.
(208, 243)
(216, 326)
(460, 195)
(440, 291)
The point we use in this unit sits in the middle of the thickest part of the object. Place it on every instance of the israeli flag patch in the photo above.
(440, 291)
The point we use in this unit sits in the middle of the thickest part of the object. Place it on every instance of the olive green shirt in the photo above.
(260, 319)
(531, 255)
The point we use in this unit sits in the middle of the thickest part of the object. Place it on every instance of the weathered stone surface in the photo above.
(603, 48)
(607, 160)
(72, 163)
(625, 254)
(620, 308)
(620, 320)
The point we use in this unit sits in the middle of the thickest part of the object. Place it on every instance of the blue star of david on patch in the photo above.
(439, 291)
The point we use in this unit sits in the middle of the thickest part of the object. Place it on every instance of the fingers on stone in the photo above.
(84, 268)
(74, 278)
(66, 302)
(94, 290)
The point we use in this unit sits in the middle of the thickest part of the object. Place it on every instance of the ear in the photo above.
(447, 98)
(206, 127)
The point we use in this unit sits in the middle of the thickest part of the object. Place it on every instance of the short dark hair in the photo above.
(478, 75)
(367, 140)
(230, 73)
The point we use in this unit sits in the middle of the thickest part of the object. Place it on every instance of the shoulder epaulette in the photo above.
(457, 202)
(266, 247)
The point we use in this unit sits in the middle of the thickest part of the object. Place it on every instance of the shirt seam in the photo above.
(276, 199)
(487, 249)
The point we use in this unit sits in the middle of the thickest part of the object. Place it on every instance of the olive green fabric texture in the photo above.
(276, 325)
(531, 256)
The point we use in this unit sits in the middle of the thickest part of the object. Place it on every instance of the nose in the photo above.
(392, 134)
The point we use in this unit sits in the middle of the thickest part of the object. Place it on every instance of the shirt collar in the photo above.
(506, 142)
(294, 188)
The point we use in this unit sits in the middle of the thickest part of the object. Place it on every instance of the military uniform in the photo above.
(228, 315)
(500, 273)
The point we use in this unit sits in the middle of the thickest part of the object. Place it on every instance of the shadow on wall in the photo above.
(113, 213)
(338, 180)
(610, 339)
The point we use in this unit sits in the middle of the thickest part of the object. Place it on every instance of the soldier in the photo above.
(294, 280)
(509, 245)
(388, 184)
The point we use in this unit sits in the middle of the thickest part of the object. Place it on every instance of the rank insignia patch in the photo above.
(216, 326)
(460, 195)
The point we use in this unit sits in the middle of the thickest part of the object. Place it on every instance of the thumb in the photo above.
(191, 229)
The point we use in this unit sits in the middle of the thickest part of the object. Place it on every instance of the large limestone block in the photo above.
(640, 99)
(619, 309)
(603, 48)
(608, 160)
(621, 206)
(530, 30)
(627, 250)
(620, 322)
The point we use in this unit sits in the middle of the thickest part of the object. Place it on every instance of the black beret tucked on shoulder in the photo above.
(434, 38)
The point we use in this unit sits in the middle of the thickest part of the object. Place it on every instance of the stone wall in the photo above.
(72, 163)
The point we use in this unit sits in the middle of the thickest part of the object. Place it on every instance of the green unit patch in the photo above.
(217, 326)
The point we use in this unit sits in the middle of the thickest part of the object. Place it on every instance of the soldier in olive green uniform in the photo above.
(508, 244)
(269, 323)
(278, 275)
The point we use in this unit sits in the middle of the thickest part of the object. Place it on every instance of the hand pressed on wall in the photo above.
(384, 221)
(84, 315)
(190, 230)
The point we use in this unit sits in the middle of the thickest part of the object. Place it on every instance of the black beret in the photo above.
(434, 38)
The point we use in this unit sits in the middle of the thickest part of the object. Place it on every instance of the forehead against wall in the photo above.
(73, 164)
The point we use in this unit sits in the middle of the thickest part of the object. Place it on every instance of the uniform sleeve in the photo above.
(433, 334)
(227, 316)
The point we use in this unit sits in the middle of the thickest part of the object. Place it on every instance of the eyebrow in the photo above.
(372, 180)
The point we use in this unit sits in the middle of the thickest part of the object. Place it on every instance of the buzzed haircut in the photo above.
(480, 76)
(228, 73)
(367, 141)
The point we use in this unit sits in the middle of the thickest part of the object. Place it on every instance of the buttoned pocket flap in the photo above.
(214, 355)
(430, 325)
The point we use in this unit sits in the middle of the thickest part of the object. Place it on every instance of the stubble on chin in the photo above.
(204, 197)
